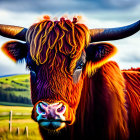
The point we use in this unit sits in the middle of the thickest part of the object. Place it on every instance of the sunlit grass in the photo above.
(15, 104)
(15, 109)
(18, 121)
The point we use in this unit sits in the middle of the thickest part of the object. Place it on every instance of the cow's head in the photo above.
(59, 54)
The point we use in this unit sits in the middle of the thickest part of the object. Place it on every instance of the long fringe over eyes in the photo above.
(65, 37)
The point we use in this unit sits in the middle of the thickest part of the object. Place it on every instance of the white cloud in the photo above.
(128, 48)
(123, 3)
(20, 19)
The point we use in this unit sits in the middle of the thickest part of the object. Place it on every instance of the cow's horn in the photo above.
(106, 34)
(14, 32)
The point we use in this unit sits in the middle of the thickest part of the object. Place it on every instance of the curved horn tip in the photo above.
(107, 34)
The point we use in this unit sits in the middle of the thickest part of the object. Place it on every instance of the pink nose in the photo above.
(50, 112)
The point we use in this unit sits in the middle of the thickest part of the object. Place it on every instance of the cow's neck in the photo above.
(103, 114)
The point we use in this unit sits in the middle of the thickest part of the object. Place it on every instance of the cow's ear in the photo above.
(98, 54)
(15, 50)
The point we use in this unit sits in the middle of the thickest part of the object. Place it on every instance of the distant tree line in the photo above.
(8, 97)
(132, 69)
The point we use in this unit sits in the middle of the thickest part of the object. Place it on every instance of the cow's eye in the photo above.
(79, 65)
(78, 71)
(29, 67)
(32, 73)
(33, 76)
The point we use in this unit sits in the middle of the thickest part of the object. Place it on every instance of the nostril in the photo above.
(41, 108)
(61, 110)
(45, 104)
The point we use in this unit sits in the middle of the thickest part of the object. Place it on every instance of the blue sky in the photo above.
(96, 14)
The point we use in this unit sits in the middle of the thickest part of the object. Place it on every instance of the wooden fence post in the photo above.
(26, 131)
(18, 131)
(10, 121)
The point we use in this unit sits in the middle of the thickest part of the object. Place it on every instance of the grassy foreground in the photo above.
(20, 119)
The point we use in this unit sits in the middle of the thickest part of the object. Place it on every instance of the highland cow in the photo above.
(76, 92)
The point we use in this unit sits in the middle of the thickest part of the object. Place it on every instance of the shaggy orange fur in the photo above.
(103, 104)
(132, 82)
(56, 47)
(51, 38)
(110, 104)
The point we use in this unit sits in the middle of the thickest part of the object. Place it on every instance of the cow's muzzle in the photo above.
(51, 116)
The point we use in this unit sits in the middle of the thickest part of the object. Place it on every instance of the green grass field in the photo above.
(20, 119)
(15, 104)
(18, 85)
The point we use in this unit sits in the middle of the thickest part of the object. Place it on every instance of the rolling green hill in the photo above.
(18, 85)
(15, 88)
